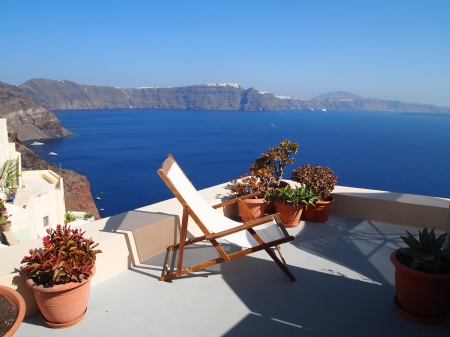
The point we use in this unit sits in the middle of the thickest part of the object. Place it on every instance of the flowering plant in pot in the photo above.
(5, 224)
(422, 278)
(322, 181)
(60, 275)
(251, 188)
(291, 201)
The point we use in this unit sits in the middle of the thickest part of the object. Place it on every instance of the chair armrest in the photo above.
(234, 200)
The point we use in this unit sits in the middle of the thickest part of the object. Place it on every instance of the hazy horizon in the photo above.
(391, 50)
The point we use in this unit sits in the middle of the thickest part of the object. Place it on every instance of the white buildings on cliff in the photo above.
(38, 201)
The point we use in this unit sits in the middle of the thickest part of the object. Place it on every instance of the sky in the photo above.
(395, 50)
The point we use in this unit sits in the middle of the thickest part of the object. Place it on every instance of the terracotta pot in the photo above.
(320, 212)
(272, 208)
(421, 297)
(18, 303)
(6, 227)
(289, 215)
(62, 305)
(256, 206)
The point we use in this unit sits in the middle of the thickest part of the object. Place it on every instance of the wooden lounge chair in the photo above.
(252, 236)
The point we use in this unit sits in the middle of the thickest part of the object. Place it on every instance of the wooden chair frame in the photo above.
(212, 237)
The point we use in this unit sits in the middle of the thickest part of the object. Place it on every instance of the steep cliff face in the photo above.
(77, 190)
(60, 95)
(26, 118)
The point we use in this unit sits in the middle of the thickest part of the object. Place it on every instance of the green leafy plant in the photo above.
(320, 179)
(297, 196)
(276, 159)
(88, 215)
(426, 251)
(272, 196)
(12, 175)
(66, 257)
(68, 217)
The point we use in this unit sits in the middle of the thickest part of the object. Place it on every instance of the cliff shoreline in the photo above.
(27, 120)
(68, 95)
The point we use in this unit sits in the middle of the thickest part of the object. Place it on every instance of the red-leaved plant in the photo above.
(66, 257)
(3, 213)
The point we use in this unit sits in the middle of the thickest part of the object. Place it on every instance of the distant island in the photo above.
(67, 95)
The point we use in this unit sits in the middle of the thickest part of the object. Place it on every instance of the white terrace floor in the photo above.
(345, 287)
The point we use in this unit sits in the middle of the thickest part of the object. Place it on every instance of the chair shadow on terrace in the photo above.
(327, 299)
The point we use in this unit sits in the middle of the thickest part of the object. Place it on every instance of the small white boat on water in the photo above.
(98, 198)
(324, 109)
(37, 143)
(52, 154)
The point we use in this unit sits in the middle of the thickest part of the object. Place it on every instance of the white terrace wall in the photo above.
(28, 223)
(4, 150)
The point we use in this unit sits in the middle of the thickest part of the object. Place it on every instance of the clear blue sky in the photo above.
(384, 49)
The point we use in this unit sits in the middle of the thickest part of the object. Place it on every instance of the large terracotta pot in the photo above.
(421, 297)
(289, 215)
(256, 206)
(62, 305)
(17, 302)
(320, 212)
(271, 208)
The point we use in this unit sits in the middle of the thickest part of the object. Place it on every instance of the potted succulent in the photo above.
(322, 181)
(5, 224)
(275, 160)
(422, 278)
(12, 311)
(251, 188)
(60, 275)
(291, 201)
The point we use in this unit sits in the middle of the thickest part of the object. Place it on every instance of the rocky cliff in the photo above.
(26, 118)
(77, 190)
(61, 95)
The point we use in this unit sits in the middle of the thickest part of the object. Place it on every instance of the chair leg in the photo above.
(183, 235)
(281, 255)
(280, 264)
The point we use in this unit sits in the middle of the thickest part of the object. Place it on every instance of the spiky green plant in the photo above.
(426, 251)
(296, 196)
(66, 257)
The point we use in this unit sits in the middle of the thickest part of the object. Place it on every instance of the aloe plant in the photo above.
(426, 251)
(296, 196)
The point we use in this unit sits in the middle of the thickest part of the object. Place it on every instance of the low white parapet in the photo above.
(389, 207)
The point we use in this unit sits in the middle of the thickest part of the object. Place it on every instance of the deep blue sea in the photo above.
(120, 150)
